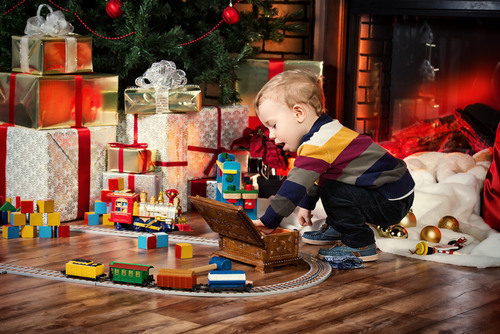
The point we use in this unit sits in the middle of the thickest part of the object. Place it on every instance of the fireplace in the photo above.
(415, 68)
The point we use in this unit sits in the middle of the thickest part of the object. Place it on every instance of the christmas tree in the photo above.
(190, 33)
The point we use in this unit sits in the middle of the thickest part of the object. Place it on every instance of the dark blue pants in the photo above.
(349, 208)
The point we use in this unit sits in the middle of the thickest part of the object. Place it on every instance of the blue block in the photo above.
(45, 231)
(12, 232)
(5, 217)
(101, 208)
(93, 219)
(146, 241)
(161, 239)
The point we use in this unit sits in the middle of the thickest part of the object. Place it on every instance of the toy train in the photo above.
(134, 211)
(138, 274)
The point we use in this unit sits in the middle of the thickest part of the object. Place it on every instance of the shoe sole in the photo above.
(369, 258)
(320, 242)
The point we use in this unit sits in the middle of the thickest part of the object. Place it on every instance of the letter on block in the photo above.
(183, 251)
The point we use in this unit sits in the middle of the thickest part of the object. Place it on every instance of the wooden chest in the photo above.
(240, 240)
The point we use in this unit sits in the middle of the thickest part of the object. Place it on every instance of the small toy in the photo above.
(147, 241)
(122, 272)
(10, 231)
(84, 269)
(27, 206)
(52, 218)
(423, 248)
(100, 207)
(45, 231)
(116, 183)
(35, 219)
(62, 231)
(91, 218)
(106, 219)
(28, 231)
(228, 280)
(17, 219)
(45, 206)
(183, 251)
(161, 239)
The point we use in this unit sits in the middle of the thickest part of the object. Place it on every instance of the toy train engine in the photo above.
(219, 280)
(122, 272)
(136, 212)
(84, 269)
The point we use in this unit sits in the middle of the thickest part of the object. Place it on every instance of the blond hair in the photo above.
(291, 88)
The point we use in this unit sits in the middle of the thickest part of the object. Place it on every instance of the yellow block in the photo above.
(183, 251)
(45, 206)
(17, 219)
(36, 219)
(28, 231)
(54, 219)
(105, 219)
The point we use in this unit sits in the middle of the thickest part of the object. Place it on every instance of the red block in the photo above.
(62, 231)
(18, 201)
(104, 195)
(116, 183)
(26, 206)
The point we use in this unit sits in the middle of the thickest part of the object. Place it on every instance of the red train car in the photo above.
(177, 279)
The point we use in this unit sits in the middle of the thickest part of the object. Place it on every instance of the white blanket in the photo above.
(457, 195)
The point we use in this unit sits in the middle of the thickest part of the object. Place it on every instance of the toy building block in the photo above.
(45, 231)
(27, 206)
(36, 219)
(100, 207)
(91, 218)
(116, 183)
(183, 251)
(28, 231)
(10, 231)
(18, 202)
(161, 239)
(147, 241)
(62, 231)
(45, 206)
(7, 206)
(106, 219)
(104, 195)
(52, 219)
(17, 219)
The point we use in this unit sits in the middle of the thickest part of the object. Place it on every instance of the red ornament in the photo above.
(114, 8)
(231, 15)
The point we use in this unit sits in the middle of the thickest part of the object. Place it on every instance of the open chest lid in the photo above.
(228, 220)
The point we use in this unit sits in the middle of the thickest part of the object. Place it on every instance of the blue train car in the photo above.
(219, 280)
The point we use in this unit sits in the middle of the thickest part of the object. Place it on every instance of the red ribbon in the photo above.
(120, 147)
(135, 145)
(131, 182)
(84, 151)
(3, 135)
(276, 66)
(214, 151)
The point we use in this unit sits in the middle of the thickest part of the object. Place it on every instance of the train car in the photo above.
(130, 210)
(177, 279)
(122, 272)
(220, 280)
(84, 269)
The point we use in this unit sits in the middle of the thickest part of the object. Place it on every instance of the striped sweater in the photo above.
(331, 151)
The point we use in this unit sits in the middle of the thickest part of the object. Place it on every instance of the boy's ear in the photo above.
(300, 112)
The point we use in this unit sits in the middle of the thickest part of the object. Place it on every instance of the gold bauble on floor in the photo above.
(409, 220)
(449, 222)
(430, 233)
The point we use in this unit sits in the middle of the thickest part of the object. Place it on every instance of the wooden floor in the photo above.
(393, 295)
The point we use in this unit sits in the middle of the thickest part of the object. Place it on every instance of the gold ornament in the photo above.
(409, 220)
(392, 232)
(430, 233)
(449, 222)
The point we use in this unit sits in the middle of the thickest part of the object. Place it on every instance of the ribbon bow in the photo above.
(162, 75)
(54, 25)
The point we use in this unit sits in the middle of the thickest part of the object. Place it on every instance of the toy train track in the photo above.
(318, 272)
(124, 233)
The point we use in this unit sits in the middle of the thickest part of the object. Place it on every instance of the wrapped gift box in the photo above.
(168, 133)
(148, 182)
(180, 99)
(49, 102)
(131, 159)
(45, 165)
(255, 73)
(203, 187)
(210, 130)
(70, 53)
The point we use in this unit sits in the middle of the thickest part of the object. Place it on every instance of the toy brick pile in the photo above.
(30, 219)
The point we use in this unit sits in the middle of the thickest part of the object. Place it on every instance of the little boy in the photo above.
(358, 181)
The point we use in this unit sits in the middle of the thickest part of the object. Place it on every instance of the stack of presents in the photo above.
(62, 136)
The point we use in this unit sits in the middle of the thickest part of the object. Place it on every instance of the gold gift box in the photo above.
(180, 99)
(254, 74)
(47, 55)
(48, 102)
(134, 160)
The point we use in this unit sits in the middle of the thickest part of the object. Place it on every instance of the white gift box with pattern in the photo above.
(43, 164)
(168, 134)
(204, 128)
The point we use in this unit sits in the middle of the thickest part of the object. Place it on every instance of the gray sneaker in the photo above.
(324, 236)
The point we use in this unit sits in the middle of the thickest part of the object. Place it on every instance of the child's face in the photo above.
(282, 123)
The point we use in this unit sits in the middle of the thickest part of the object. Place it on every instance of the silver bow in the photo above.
(54, 25)
(162, 76)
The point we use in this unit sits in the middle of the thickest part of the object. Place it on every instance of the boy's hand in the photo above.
(261, 227)
(304, 217)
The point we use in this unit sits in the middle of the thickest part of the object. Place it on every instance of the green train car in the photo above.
(138, 274)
